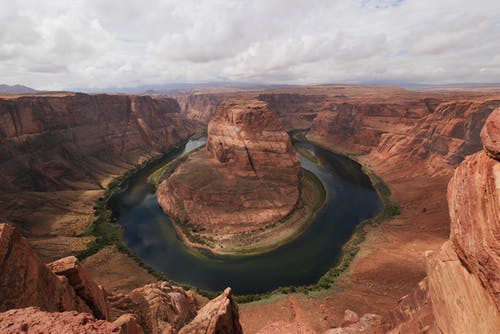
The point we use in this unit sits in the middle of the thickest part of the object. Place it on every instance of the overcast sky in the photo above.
(58, 44)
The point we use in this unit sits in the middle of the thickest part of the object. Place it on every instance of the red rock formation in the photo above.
(128, 324)
(34, 297)
(199, 107)
(50, 142)
(219, 316)
(288, 327)
(34, 321)
(352, 324)
(295, 111)
(159, 307)
(58, 151)
(246, 179)
(474, 200)
(79, 278)
(26, 281)
(490, 135)
(461, 293)
(359, 127)
(248, 135)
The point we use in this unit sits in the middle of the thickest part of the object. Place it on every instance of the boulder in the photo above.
(159, 307)
(81, 281)
(219, 316)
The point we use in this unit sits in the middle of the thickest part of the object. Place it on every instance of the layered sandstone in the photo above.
(26, 281)
(159, 307)
(219, 316)
(85, 287)
(62, 297)
(32, 320)
(461, 292)
(245, 179)
(59, 151)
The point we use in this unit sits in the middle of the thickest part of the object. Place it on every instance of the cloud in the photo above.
(103, 43)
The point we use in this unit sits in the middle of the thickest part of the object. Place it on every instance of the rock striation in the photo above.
(32, 320)
(245, 179)
(26, 281)
(50, 142)
(461, 293)
(62, 297)
(79, 278)
(219, 316)
(474, 200)
(159, 307)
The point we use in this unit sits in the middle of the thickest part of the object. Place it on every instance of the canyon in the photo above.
(58, 152)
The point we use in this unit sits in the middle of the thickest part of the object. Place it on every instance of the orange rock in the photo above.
(26, 281)
(219, 316)
(128, 324)
(32, 320)
(490, 135)
(81, 281)
(280, 327)
(474, 202)
(159, 307)
(247, 178)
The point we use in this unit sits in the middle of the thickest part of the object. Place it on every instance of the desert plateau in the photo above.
(260, 167)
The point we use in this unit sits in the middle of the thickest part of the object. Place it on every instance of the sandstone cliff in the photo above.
(58, 151)
(50, 143)
(245, 179)
(199, 107)
(62, 297)
(461, 291)
(295, 111)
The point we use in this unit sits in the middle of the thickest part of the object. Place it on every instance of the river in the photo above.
(149, 233)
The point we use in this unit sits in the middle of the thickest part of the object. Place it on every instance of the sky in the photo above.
(95, 44)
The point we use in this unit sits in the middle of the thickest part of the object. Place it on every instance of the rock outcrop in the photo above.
(26, 281)
(245, 179)
(58, 152)
(159, 307)
(32, 320)
(199, 107)
(49, 143)
(295, 111)
(461, 293)
(63, 298)
(79, 278)
(219, 316)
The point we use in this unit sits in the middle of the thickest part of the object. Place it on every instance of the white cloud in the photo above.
(104, 43)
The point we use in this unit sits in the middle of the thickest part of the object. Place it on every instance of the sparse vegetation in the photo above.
(108, 233)
(306, 153)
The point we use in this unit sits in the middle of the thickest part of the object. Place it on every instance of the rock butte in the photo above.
(245, 179)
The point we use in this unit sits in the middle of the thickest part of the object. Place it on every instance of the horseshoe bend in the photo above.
(243, 190)
(414, 140)
(256, 167)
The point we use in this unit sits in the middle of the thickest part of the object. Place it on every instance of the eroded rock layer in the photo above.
(62, 297)
(246, 178)
(462, 288)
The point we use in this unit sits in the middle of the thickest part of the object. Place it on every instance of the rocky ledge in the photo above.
(62, 297)
(245, 180)
(461, 292)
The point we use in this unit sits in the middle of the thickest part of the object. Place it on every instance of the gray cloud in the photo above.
(104, 43)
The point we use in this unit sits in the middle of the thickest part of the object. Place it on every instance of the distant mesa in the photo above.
(16, 89)
(245, 180)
